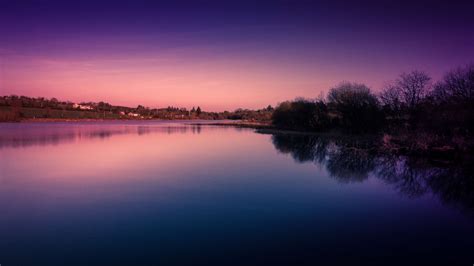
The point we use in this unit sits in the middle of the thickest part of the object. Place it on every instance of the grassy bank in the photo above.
(8, 114)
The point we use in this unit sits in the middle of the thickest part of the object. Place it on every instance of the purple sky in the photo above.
(223, 55)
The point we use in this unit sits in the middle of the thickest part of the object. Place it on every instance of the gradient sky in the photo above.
(226, 54)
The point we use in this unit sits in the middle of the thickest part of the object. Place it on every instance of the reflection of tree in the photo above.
(302, 148)
(354, 159)
(455, 186)
(343, 159)
(350, 165)
(196, 129)
(407, 176)
(25, 135)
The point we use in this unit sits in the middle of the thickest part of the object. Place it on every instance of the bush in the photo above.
(451, 105)
(301, 114)
(356, 106)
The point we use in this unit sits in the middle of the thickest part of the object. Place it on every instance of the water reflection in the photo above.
(149, 193)
(24, 135)
(354, 159)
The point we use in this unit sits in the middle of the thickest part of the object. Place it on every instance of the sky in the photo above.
(223, 55)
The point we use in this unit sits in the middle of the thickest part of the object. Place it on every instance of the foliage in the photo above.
(457, 87)
(413, 88)
(16, 108)
(356, 106)
(409, 104)
(301, 114)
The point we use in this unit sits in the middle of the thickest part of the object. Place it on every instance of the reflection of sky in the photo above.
(217, 193)
(20, 135)
(222, 55)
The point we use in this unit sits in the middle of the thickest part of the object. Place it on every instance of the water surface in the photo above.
(169, 193)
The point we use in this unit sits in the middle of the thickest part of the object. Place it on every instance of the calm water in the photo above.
(167, 193)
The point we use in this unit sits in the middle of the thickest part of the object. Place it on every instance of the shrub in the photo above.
(356, 106)
(301, 114)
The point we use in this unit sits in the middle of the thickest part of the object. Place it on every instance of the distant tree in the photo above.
(391, 99)
(193, 110)
(456, 87)
(16, 108)
(356, 105)
(413, 88)
(54, 102)
(47, 112)
(407, 97)
(198, 111)
(451, 105)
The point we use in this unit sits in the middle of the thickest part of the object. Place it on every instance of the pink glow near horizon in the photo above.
(151, 82)
(223, 55)
(214, 83)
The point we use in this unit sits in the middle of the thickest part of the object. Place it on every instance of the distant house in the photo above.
(81, 107)
(133, 114)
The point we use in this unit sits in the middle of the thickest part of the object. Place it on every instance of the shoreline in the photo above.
(387, 143)
(239, 124)
(207, 122)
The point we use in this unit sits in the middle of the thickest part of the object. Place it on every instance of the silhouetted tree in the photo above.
(457, 86)
(16, 108)
(391, 99)
(413, 88)
(301, 114)
(357, 107)
(405, 100)
(198, 111)
(53, 102)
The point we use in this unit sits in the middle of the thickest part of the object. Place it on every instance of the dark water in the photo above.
(165, 193)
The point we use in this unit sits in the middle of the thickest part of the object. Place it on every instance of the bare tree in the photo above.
(350, 94)
(391, 98)
(457, 86)
(413, 88)
(356, 105)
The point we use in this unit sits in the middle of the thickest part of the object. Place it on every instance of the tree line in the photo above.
(411, 102)
(412, 113)
(16, 108)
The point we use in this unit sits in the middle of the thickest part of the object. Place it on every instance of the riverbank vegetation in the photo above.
(413, 114)
(18, 108)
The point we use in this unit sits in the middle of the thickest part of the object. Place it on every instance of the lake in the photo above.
(174, 193)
